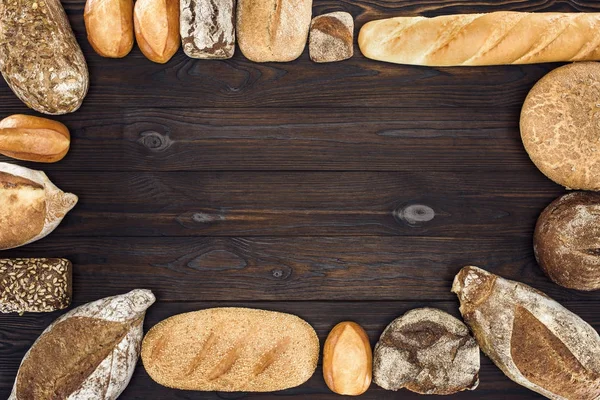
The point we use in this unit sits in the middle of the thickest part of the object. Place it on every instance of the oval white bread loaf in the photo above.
(231, 350)
(483, 39)
(30, 205)
(88, 353)
(534, 340)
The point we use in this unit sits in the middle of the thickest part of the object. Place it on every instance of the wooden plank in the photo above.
(355, 139)
(359, 82)
(272, 203)
(279, 269)
(322, 315)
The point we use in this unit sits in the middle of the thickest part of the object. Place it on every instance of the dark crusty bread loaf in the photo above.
(426, 351)
(88, 353)
(273, 30)
(559, 125)
(207, 28)
(230, 350)
(534, 340)
(30, 205)
(39, 56)
(35, 284)
(567, 241)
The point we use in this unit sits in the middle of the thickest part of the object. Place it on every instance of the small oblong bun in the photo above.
(567, 241)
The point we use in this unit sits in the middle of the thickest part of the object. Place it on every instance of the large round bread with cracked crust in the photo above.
(231, 350)
(567, 241)
(560, 125)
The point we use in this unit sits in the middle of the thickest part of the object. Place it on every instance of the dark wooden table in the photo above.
(353, 190)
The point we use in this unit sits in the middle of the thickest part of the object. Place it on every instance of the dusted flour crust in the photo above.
(112, 375)
(39, 56)
(57, 202)
(207, 28)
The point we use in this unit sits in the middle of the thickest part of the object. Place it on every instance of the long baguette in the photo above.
(483, 39)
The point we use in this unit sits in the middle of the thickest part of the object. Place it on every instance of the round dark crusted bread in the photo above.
(560, 125)
(567, 241)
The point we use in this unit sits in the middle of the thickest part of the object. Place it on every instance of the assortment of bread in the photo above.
(91, 351)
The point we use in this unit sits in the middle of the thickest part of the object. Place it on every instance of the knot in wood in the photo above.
(282, 273)
(155, 141)
(415, 214)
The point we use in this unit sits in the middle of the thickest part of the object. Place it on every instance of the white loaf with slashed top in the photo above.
(483, 39)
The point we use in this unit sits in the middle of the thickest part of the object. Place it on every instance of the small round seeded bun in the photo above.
(560, 125)
(567, 241)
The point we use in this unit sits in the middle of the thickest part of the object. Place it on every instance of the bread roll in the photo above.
(426, 351)
(347, 359)
(483, 39)
(88, 353)
(30, 205)
(567, 241)
(534, 340)
(559, 125)
(29, 138)
(109, 26)
(39, 56)
(156, 24)
(231, 350)
(331, 37)
(35, 284)
(208, 28)
(273, 30)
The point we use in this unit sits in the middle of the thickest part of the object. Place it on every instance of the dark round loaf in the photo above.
(567, 241)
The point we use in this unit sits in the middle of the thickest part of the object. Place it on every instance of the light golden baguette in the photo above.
(534, 340)
(29, 138)
(231, 350)
(109, 26)
(483, 39)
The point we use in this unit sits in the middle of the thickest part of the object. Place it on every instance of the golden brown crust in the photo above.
(273, 30)
(156, 24)
(331, 37)
(567, 241)
(347, 359)
(231, 349)
(109, 26)
(559, 125)
(29, 138)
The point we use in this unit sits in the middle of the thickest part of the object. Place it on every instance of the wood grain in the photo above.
(322, 315)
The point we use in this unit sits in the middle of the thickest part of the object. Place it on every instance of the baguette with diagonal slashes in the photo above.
(231, 350)
(483, 39)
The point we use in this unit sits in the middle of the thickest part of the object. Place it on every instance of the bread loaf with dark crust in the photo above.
(534, 340)
(30, 205)
(503, 37)
(39, 56)
(567, 241)
(273, 30)
(88, 353)
(426, 351)
(208, 28)
(231, 350)
(35, 284)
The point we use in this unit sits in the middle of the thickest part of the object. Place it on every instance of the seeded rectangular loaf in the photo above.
(35, 284)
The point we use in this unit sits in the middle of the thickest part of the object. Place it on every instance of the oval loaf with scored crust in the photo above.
(534, 340)
(231, 350)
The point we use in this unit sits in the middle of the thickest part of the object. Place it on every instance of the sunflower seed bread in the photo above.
(35, 284)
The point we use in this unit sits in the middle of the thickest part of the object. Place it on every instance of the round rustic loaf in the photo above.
(567, 241)
(560, 124)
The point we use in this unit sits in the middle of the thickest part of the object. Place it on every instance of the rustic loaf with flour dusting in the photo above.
(39, 56)
(483, 39)
(207, 28)
(88, 353)
(231, 350)
(534, 340)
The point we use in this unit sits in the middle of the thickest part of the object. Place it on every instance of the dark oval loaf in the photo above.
(567, 241)
(39, 56)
